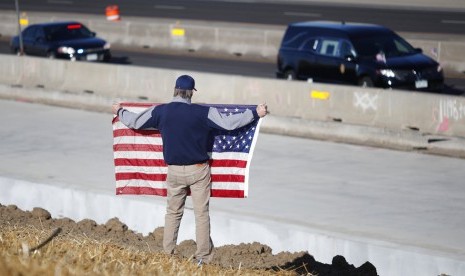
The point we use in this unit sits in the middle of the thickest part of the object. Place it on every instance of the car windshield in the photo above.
(67, 32)
(389, 45)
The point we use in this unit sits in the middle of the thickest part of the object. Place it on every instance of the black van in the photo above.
(360, 54)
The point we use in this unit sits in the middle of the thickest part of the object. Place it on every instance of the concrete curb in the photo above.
(404, 140)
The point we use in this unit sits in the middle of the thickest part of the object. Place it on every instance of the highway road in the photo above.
(193, 62)
(282, 13)
(399, 19)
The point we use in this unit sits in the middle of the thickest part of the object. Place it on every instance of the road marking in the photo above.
(62, 2)
(166, 7)
(306, 14)
(452, 21)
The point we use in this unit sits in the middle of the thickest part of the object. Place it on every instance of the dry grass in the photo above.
(79, 255)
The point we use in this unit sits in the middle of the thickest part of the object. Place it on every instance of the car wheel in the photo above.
(107, 58)
(289, 75)
(365, 82)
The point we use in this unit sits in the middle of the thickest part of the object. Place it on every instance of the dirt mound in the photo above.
(252, 255)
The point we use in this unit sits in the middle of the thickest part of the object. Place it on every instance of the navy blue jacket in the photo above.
(185, 128)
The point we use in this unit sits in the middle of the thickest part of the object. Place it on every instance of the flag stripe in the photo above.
(135, 147)
(227, 178)
(141, 191)
(137, 140)
(155, 152)
(161, 163)
(163, 192)
(164, 170)
(162, 184)
(135, 105)
(129, 132)
(139, 162)
(118, 125)
(162, 177)
(140, 183)
(140, 176)
(135, 169)
(228, 193)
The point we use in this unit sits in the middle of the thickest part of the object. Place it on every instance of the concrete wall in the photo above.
(251, 41)
(397, 110)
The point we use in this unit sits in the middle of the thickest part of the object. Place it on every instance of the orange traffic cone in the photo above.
(112, 13)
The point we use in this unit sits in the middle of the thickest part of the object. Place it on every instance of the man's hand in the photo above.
(115, 107)
(262, 110)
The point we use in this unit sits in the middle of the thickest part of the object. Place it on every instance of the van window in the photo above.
(294, 40)
(310, 45)
(329, 47)
(390, 45)
(346, 49)
(401, 47)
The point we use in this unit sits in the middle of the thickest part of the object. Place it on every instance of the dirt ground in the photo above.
(252, 255)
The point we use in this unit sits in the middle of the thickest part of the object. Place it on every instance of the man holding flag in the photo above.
(186, 135)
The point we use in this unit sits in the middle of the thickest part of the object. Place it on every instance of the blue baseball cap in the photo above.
(185, 82)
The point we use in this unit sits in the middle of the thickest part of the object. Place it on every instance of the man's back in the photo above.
(185, 132)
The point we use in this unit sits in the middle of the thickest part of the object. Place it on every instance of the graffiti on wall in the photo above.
(449, 110)
(366, 101)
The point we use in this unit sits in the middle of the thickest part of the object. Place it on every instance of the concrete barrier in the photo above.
(250, 41)
(398, 110)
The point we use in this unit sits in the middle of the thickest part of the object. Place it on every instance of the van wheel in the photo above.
(365, 82)
(289, 75)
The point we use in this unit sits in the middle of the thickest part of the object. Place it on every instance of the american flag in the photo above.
(140, 169)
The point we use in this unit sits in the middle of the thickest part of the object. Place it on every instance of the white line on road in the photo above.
(452, 21)
(166, 7)
(62, 2)
(302, 14)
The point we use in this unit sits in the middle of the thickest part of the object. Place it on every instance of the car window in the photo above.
(294, 41)
(309, 45)
(67, 32)
(403, 47)
(390, 45)
(347, 49)
(329, 47)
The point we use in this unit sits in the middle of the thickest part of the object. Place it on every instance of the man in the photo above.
(185, 131)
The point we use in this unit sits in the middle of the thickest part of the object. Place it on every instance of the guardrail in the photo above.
(250, 41)
(397, 110)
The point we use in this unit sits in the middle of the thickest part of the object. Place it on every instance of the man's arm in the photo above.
(131, 119)
(235, 121)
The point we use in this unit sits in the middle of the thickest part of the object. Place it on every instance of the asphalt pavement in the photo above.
(431, 16)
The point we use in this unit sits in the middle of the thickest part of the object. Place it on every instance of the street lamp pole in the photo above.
(21, 49)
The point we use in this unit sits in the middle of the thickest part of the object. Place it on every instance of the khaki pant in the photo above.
(198, 179)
